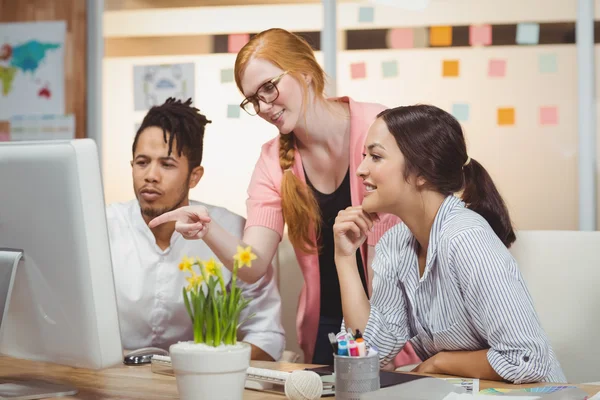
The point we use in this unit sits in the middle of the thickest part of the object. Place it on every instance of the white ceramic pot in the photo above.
(206, 373)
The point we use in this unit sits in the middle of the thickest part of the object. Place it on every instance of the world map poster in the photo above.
(32, 79)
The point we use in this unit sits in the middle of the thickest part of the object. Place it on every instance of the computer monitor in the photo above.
(63, 306)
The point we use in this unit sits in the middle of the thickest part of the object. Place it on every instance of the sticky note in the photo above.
(358, 70)
(528, 33)
(235, 42)
(440, 36)
(548, 63)
(460, 111)
(506, 116)
(401, 38)
(4, 136)
(497, 68)
(389, 69)
(480, 35)
(233, 111)
(549, 115)
(421, 37)
(366, 14)
(450, 68)
(227, 75)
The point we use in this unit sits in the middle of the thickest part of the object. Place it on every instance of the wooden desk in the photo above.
(138, 382)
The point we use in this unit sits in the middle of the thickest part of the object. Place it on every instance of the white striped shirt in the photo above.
(471, 297)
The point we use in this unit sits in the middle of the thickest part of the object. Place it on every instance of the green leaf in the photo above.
(198, 337)
(186, 301)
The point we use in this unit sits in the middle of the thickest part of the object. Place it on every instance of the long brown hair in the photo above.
(293, 54)
(433, 146)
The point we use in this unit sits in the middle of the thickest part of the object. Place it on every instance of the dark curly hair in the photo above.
(181, 121)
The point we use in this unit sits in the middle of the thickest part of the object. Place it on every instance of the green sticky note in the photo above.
(366, 14)
(233, 111)
(548, 63)
(528, 33)
(226, 75)
(389, 69)
(460, 111)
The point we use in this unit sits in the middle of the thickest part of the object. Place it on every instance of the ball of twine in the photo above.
(303, 385)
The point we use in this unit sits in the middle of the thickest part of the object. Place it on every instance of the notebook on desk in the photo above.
(265, 380)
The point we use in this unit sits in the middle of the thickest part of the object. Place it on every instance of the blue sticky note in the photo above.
(227, 75)
(528, 33)
(460, 111)
(548, 63)
(233, 111)
(366, 14)
(389, 69)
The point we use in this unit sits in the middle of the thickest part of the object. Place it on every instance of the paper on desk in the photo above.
(469, 384)
(464, 396)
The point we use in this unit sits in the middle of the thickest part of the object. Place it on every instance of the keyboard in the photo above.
(257, 378)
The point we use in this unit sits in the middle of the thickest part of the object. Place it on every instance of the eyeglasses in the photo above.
(267, 93)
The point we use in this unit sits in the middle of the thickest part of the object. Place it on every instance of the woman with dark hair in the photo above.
(444, 279)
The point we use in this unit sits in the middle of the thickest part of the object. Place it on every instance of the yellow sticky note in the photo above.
(450, 68)
(440, 36)
(506, 116)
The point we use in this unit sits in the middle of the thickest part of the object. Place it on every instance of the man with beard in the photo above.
(167, 155)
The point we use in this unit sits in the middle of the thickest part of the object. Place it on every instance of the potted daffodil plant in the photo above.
(213, 365)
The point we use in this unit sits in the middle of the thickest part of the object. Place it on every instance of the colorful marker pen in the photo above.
(342, 348)
(362, 347)
(353, 349)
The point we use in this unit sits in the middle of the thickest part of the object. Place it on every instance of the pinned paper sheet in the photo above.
(42, 127)
(227, 75)
(497, 68)
(548, 63)
(401, 38)
(506, 116)
(440, 36)
(460, 111)
(389, 69)
(480, 35)
(235, 42)
(233, 111)
(450, 68)
(528, 33)
(366, 14)
(358, 70)
(549, 115)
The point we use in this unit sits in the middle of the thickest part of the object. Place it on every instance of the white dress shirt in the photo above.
(471, 297)
(149, 284)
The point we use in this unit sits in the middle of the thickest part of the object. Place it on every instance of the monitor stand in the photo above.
(30, 389)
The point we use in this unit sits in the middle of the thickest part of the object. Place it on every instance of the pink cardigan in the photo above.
(264, 209)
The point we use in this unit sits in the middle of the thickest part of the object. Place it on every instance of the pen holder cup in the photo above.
(355, 375)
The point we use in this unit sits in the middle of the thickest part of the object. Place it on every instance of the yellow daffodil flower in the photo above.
(194, 281)
(186, 264)
(244, 256)
(211, 267)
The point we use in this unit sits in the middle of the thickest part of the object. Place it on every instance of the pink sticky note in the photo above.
(497, 68)
(549, 115)
(401, 38)
(358, 70)
(480, 35)
(4, 137)
(237, 41)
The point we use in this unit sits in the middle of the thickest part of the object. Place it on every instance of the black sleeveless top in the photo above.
(330, 205)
